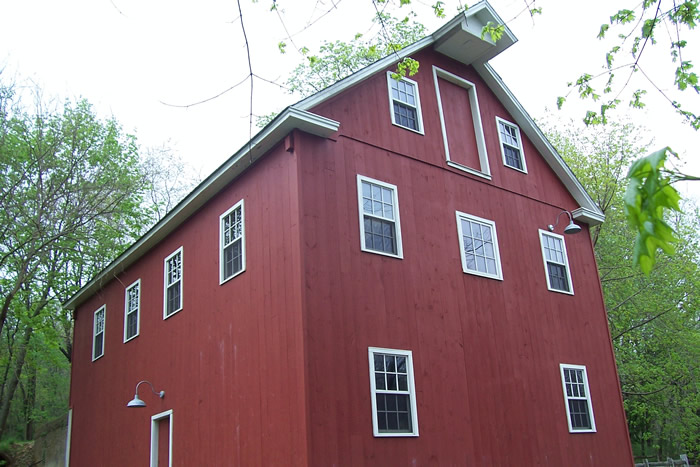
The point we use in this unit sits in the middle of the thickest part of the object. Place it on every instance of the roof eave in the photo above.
(290, 119)
(588, 211)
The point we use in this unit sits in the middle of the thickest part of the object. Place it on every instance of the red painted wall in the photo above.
(231, 362)
(486, 352)
(271, 367)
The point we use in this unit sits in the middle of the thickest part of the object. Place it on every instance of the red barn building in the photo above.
(370, 281)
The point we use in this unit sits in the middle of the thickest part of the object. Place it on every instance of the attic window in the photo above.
(404, 103)
(98, 333)
(511, 145)
(232, 248)
(460, 119)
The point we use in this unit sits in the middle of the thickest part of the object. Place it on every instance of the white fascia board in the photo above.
(588, 211)
(290, 119)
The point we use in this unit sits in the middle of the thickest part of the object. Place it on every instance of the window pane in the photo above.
(391, 382)
(378, 362)
(403, 383)
(401, 364)
(379, 381)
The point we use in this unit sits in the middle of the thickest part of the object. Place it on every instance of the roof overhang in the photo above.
(461, 38)
(290, 119)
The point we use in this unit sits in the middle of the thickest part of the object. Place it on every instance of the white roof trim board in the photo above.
(459, 39)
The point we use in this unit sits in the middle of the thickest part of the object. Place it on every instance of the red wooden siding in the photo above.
(271, 367)
(231, 362)
(459, 124)
(486, 352)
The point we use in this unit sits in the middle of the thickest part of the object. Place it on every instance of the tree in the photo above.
(654, 319)
(71, 193)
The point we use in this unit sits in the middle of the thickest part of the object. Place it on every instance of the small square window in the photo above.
(577, 396)
(132, 305)
(556, 263)
(511, 145)
(479, 246)
(393, 392)
(405, 103)
(172, 294)
(232, 243)
(380, 229)
(98, 333)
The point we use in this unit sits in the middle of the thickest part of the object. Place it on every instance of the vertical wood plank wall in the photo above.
(271, 368)
(486, 352)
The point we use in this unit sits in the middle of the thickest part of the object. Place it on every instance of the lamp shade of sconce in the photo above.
(136, 401)
(570, 229)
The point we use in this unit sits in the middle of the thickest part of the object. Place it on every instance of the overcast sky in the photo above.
(131, 58)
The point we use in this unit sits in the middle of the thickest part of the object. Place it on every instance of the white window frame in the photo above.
(497, 257)
(137, 285)
(222, 247)
(396, 220)
(587, 398)
(544, 233)
(103, 310)
(419, 115)
(485, 171)
(165, 282)
(155, 419)
(411, 392)
(500, 121)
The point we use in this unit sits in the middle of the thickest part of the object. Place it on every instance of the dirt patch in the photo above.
(19, 455)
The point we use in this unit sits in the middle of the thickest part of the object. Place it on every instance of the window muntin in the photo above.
(478, 246)
(404, 102)
(132, 306)
(172, 294)
(556, 263)
(98, 333)
(511, 145)
(232, 243)
(393, 392)
(380, 228)
(577, 396)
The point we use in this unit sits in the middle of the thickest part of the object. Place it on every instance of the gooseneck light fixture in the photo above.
(136, 402)
(569, 229)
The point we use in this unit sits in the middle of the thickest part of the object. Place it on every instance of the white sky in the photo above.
(127, 57)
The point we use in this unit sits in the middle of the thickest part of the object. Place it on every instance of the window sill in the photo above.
(464, 168)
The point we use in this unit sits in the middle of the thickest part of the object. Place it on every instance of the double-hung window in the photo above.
(172, 294)
(380, 229)
(556, 263)
(479, 246)
(232, 243)
(579, 410)
(98, 333)
(132, 305)
(511, 145)
(393, 392)
(405, 103)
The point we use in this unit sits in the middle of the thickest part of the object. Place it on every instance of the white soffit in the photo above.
(461, 40)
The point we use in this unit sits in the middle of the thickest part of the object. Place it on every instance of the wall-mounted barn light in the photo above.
(569, 229)
(136, 402)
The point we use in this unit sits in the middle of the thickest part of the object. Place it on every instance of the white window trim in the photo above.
(136, 283)
(411, 390)
(397, 217)
(588, 398)
(566, 263)
(223, 279)
(485, 171)
(102, 309)
(419, 115)
(500, 121)
(165, 283)
(155, 419)
(497, 255)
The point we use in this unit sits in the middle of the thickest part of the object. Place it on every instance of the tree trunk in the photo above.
(29, 402)
(14, 376)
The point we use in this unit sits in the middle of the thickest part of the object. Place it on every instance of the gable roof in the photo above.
(459, 39)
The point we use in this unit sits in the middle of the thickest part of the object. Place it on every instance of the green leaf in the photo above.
(496, 31)
(603, 29)
(282, 46)
(649, 197)
(560, 102)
